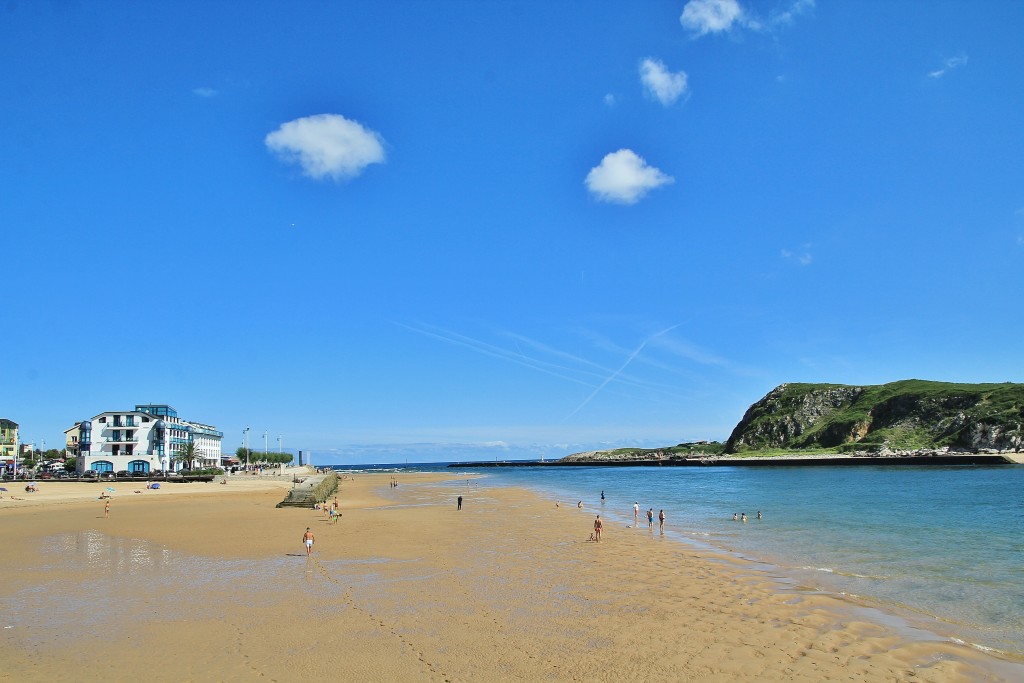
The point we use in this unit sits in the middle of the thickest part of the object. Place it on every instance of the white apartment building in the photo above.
(143, 440)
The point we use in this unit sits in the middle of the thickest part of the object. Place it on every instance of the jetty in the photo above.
(822, 460)
(307, 491)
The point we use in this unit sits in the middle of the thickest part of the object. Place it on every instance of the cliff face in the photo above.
(911, 414)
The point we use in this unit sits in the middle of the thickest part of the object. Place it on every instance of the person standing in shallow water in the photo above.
(650, 518)
(661, 521)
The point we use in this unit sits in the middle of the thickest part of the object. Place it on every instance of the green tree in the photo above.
(70, 464)
(244, 456)
(187, 455)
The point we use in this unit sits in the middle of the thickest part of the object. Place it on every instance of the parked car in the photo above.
(90, 474)
(107, 475)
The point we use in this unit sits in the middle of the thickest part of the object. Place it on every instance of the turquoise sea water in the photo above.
(943, 546)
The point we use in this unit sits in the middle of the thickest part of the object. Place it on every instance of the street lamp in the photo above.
(246, 432)
(265, 449)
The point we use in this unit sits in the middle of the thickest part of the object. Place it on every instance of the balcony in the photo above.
(121, 424)
(122, 439)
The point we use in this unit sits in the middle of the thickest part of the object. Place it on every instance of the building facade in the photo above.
(8, 443)
(71, 437)
(143, 440)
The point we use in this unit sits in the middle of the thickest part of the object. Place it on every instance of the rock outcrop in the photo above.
(907, 415)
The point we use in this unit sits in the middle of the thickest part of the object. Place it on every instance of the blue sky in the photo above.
(476, 230)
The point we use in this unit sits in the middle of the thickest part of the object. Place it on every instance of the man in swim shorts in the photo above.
(598, 524)
(307, 538)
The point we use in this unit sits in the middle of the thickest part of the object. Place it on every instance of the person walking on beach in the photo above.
(636, 513)
(106, 509)
(307, 539)
(661, 521)
(598, 525)
(460, 503)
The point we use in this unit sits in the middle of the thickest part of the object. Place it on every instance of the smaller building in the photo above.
(8, 443)
(71, 438)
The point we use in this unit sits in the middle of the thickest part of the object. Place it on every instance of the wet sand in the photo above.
(183, 585)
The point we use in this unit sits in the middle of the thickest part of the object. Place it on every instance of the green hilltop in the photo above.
(909, 415)
(905, 415)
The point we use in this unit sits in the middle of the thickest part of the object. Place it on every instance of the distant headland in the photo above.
(905, 422)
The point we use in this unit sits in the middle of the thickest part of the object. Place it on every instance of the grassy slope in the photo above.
(907, 414)
(925, 407)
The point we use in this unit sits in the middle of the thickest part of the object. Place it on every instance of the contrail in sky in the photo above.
(497, 352)
(618, 372)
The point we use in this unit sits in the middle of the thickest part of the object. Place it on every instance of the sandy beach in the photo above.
(204, 582)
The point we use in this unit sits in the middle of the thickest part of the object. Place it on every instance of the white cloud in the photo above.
(802, 255)
(710, 16)
(949, 65)
(702, 17)
(623, 177)
(204, 92)
(661, 83)
(797, 8)
(609, 100)
(327, 145)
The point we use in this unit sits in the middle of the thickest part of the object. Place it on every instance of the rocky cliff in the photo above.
(907, 415)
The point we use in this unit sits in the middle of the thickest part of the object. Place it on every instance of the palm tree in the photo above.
(187, 455)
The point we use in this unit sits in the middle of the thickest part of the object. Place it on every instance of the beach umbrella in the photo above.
(156, 486)
(2, 488)
(110, 489)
